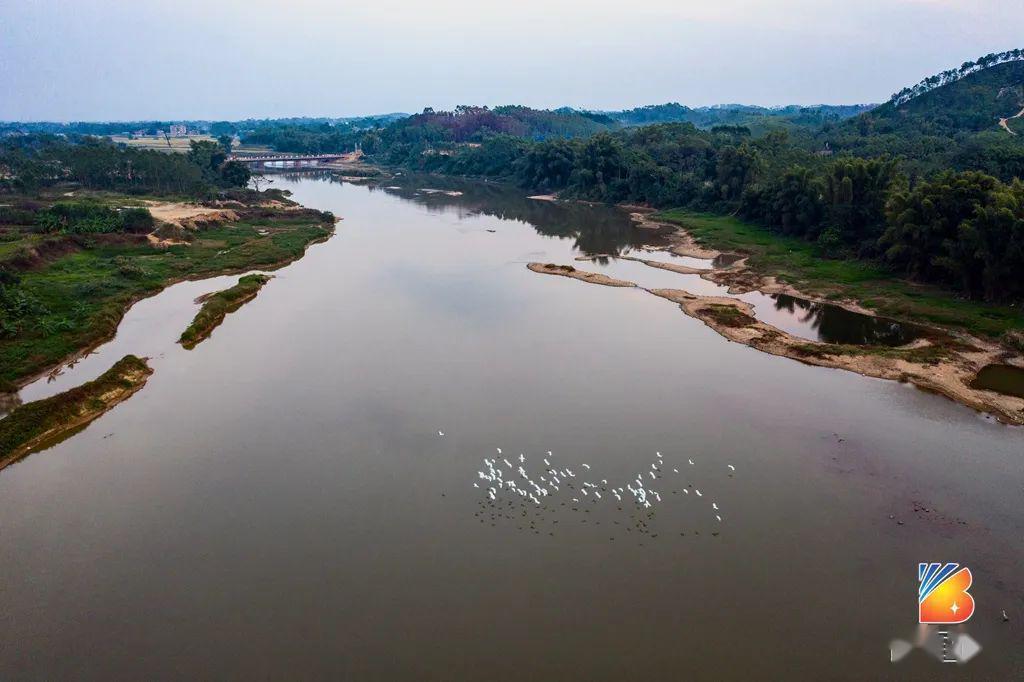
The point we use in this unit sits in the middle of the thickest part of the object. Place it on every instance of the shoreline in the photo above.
(943, 365)
(217, 305)
(42, 423)
(72, 358)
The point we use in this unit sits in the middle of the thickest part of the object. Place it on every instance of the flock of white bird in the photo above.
(502, 476)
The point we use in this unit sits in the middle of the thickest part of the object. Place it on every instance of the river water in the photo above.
(279, 504)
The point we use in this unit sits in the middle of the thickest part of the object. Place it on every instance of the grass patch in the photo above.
(728, 316)
(798, 262)
(923, 355)
(44, 421)
(217, 306)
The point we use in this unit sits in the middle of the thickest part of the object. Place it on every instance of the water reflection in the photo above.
(605, 232)
(594, 228)
(832, 324)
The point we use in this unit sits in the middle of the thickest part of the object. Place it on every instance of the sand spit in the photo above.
(943, 363)
(582, 275)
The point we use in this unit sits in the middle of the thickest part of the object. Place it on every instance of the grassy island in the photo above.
(46, 421)
(216, 307)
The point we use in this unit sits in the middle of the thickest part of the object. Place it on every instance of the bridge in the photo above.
(295, 159)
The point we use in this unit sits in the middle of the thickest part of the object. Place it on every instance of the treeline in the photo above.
(965, 230)
(758, 119)
(322, 138)
(28, 163)
(953, 75)
(214, 128)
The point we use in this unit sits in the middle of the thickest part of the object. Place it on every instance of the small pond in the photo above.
(1005, 379)
(830, 323)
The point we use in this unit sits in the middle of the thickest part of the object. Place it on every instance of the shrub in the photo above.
(126, 267)
(136, 219)
(83, 218)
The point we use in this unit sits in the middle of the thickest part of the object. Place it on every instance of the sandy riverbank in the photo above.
(943, 363)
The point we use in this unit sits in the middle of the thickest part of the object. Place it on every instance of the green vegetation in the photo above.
(799, 262)
(951, 124)
(72, 296)
(217, 306)
(29, 163)
(923, 355)
(927, 189)
(44, 421)
(729, 316)
(89, 218)
(70, 267)
(756, 119)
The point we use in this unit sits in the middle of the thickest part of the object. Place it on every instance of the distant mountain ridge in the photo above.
(738, 114)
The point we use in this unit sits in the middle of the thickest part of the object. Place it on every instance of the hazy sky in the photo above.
(229, 59)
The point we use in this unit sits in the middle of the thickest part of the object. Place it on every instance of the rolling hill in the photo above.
(960, 122)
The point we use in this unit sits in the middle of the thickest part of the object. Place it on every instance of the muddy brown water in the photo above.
(277, 503)
(1005, 379)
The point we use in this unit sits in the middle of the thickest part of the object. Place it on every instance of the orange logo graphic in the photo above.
(942, 596)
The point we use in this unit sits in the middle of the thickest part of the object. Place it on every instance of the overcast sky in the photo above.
(230, 59)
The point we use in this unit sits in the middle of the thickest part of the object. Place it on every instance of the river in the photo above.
(279, 502)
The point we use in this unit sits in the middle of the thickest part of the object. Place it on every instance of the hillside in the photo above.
(956, 124)
(973, 104)
(471, 123)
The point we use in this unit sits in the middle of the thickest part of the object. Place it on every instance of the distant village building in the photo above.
(826, 151)
(179, 130)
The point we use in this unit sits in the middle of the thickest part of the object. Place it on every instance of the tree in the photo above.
(924, 222)
(235, 174)
(547, 165)
(735, 169)
(601, 168)
(257, 179)
(793, 205)
(988, 252)
(854, 193)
